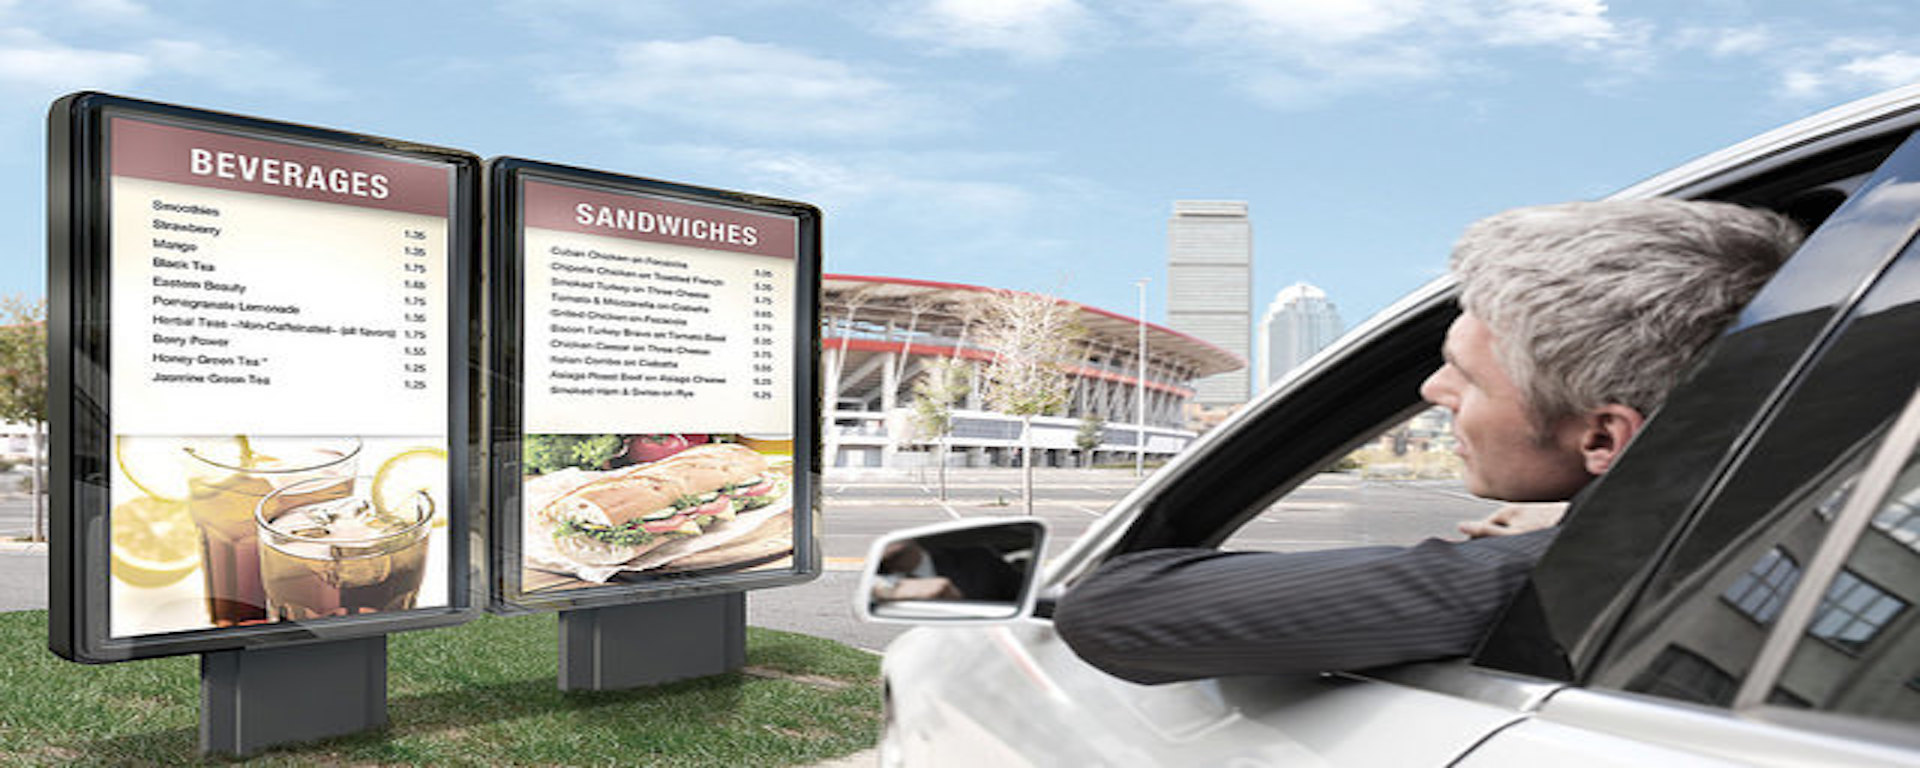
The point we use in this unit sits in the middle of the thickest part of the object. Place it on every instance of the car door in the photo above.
(1017, 693)
(1797, 646)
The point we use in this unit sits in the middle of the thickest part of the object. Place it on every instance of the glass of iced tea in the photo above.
(324, 556)
(225, 491)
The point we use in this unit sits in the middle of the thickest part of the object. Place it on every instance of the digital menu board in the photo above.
(656, 437)
(273, 449)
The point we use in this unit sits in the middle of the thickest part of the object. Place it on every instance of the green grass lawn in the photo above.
(480, 694)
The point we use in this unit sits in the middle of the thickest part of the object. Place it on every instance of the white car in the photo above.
(1739, 589)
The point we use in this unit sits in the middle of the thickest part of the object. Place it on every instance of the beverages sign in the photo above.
(659, 440)
(278, 451)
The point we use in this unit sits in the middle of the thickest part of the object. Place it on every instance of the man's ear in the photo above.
(1606, 430)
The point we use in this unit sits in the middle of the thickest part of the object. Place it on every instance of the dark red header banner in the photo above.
(638, 217)
(145, 150)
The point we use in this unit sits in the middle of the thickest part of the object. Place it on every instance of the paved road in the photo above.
(860, 506)
(16, 514)
(23, 577)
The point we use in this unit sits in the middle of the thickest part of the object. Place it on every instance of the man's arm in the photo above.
(1180, 614)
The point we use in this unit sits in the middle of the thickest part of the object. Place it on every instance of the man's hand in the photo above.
(1516, 518)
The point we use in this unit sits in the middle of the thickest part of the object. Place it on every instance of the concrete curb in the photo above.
(863, 759)
(23, 547)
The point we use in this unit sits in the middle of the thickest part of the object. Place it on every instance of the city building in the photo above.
(16, 441)
(879, 333)
(1210, 293)
(1299, 322)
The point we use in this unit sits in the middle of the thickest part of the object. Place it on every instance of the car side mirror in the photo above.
(960, 572)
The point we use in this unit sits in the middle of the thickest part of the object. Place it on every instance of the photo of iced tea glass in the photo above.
(326, 555)
(224, 493)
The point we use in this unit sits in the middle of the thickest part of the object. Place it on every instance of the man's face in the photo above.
(1507, 457)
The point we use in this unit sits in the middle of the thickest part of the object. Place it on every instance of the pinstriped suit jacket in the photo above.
(1180, 614)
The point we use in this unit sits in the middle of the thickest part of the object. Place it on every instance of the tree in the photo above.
(837, 363)
(934, 393)
(1029, 334)
(23, 383)
(1093, 431)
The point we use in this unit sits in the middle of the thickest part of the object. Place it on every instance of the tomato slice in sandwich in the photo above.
(761, 488)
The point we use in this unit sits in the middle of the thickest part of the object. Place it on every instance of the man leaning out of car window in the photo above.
(1576, 320)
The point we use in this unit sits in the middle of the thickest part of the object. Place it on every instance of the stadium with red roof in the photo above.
(879, 333)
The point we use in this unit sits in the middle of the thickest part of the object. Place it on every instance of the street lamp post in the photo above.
(1140, 388)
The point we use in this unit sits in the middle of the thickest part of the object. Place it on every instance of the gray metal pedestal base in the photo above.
(253, 699)
(629, 646)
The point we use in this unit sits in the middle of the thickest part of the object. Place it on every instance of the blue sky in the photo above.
(1031, 144)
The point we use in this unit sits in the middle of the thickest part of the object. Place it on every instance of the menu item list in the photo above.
(274, 288)
(658, 405)
(280, 325)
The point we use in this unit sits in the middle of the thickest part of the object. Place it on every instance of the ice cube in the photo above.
(389, 523)
(353, 568)
(336, 510)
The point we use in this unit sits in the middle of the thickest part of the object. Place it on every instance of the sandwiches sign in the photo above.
(657, 383)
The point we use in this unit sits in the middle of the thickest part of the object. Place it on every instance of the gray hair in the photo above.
(1608, 302)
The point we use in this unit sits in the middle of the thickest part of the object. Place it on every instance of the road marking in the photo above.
(943, 505)
(1089, 510)
(1306, 505)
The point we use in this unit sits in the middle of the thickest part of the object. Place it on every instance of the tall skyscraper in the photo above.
(1299, 322)
(1210, 287)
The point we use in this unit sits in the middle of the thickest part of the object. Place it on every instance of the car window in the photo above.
(1284, 441)
(1402, 485)
(1721, 587)
(1860, 653)
(1707, 634)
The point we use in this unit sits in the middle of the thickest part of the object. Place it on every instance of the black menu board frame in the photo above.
(508, 182)
(81, 331)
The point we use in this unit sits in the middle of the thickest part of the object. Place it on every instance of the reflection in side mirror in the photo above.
(965, 571)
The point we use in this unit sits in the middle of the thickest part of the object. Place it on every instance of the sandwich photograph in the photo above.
(624, 508)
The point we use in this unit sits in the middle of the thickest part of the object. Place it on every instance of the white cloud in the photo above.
(121, 45)
(1582, 23)
(240, 68)
(1290, 52)
(1729, 41)
(750, 89)
(945, 211)
(1437, 23)
(1027, 30)
(575, 18)
(1318, 23)
(30, 60)
(940, 185)
(1844, 67)
(1885, 70)
(119, 10)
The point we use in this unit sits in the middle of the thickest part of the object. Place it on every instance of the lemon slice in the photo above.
(409, 473)
(159, 466)
(154, 542)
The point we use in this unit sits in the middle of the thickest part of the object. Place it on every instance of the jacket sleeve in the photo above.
(1164, 615)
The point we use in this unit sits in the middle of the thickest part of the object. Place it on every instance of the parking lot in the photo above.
(1333, 509)
(859, 506)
